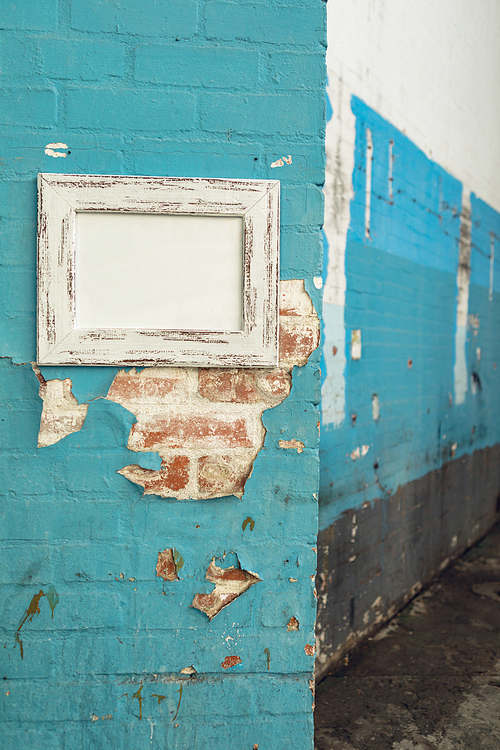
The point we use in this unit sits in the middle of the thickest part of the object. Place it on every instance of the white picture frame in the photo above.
(62, 340)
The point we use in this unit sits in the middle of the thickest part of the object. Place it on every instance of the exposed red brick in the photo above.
(222, 475)
(226, 574)
(204, 601)
(190, 430)
(172, 477)
(233, 386)
(298, 342)
(176, 472)
(131, 386)
(165, 567)
(229, 584)
(230, 661)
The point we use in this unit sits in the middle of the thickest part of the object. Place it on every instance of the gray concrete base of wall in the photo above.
(372, 560)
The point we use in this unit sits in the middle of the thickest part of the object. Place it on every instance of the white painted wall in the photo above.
(432, 68)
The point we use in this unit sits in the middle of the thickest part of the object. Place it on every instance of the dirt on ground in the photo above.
(430, 679)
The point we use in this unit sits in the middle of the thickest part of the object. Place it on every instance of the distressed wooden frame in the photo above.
(61, 196)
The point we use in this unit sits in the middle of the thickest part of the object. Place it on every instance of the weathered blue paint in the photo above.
(206, 89)
(402, 295)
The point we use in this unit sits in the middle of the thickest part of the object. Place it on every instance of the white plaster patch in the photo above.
(318, 282)
(61, 414)
(463, 283)
(492, 265)
(356, 344)
(338, 190)
(375, 407)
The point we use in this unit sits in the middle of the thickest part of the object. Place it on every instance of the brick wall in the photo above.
(160, 519)
(409, 475)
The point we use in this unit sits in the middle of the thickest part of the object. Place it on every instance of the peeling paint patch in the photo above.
(309, 650)
(293, 624)
(166, 567)
(297, 445)
(230, 583)
(463, 283)
(359, 452)
(282, 161)
(49, 149)
(206, 424)
(61, 414)
(375, 407)
(230, 661)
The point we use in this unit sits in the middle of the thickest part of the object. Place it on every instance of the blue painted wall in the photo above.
(402, 294)
(205, 89)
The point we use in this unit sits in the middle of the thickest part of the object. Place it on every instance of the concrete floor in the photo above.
(430, 679)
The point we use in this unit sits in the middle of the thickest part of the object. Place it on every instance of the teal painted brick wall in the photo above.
(408, 486)
(185, 89)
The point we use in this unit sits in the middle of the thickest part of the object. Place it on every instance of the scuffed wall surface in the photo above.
(411, 353)
(376, 557)
(98, 579)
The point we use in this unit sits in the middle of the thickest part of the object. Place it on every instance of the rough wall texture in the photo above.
(411, 408)
(183, 617)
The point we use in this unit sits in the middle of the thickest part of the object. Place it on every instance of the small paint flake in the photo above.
(359, 452)
(318, 282)
(49, 149)
(166, 567)
(109, 716)
(282, 161)
(94, 717)
(293, 624)
(229, 584)
(248, 522)
(131, 579)
(297, 445)
(292, 580)
(309, 650)
(230, 661)
(191, 671)
(122, 575)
